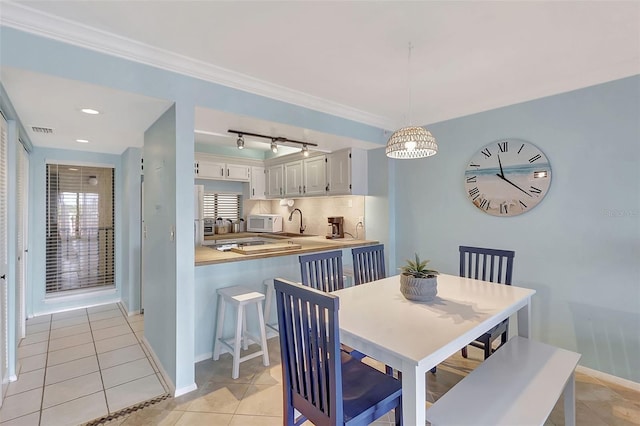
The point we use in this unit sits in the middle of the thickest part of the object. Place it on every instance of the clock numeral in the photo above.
(524, 206)
(535, 158)
(486, 152)
(484, 204)
(472, 179)
(474, 192)
(474, 165)
(503, 146)
(503, 209)
(521, 146)
(535, 190)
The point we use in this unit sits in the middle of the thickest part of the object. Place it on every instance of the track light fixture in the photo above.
(274, 141)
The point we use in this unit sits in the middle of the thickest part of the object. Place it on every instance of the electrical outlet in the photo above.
(361, 220)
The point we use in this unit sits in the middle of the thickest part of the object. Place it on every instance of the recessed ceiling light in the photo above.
(82, 140)
(90, 111)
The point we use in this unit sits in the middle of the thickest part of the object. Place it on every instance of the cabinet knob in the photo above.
(299, 189)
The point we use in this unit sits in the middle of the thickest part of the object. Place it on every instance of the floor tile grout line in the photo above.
(104, 390)
(44, 376)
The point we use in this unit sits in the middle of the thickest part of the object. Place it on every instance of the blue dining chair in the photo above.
(322, 271)
(488, 265)
(368, 263)
(326, 385)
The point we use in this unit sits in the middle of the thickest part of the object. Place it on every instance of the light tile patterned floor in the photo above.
(78, 366)
(255, 398)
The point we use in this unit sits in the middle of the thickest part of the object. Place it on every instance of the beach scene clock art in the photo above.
(507, 178)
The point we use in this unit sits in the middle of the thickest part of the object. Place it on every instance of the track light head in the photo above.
(274, 146)
(240, 142)
(305, 150)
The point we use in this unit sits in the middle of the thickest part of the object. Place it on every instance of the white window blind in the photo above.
(226, 206)
(80, 228)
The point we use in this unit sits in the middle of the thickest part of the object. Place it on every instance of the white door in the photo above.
(22, 233)
(4, 366)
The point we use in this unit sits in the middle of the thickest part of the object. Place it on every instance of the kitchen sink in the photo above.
(290, 235)
(228, 244)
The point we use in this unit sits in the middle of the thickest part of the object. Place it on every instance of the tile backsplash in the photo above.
(315, 212)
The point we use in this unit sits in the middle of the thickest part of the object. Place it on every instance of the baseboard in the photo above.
(205, 356)
(609, 378)
(126, 312)
(184, 390)
(163, 373)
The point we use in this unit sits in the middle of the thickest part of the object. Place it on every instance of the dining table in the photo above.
(414, 337)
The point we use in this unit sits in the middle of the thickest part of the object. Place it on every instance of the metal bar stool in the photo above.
(240, 297)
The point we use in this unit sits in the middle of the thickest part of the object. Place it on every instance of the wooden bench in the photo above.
(518, 385)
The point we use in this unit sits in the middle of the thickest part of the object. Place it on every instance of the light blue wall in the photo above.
(131, 249)
(37, 304)
(579, 248)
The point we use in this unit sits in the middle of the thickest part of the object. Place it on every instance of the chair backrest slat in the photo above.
(486, 264)
(368, 263)
(322, 271)
(310, 346)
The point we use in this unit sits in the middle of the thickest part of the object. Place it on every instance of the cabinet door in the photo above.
(274, 181)
(237, 172)
(315, 180)
(339, 172)
(293, 179)
(210, 169)
(258, 187)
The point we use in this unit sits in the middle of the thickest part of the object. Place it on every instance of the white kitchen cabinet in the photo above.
(210, 168)
(315, 180)
(347, 172)
(293, 179)
(258, 187)
(274, 181)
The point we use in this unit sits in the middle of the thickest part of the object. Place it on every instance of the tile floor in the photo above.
(78, 366)
(255, 398)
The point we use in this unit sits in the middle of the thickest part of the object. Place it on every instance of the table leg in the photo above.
(570, 401)
(524, 320)
(414, 395)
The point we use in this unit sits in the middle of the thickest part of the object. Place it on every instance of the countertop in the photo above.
(208, 256)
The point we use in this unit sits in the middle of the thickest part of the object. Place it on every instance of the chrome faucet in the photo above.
(302, 228)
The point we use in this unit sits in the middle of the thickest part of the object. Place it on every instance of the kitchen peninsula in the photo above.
(217, 269)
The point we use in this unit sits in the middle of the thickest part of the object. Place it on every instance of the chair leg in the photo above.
(388, 370)
(398, 413)
(433, 370)
(263, 336)
(487, 348)
(237, 343)
(219, 324)
(464, 352)
(245, 340)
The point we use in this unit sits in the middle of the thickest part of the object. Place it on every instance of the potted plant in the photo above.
(417, 282)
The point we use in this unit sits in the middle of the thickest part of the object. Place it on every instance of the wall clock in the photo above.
(507, 178)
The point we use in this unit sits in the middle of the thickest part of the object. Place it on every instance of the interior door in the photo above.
(4, 361)
(22, 233)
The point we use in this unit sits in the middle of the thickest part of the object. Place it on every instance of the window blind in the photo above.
(80, 228)
(226, 206)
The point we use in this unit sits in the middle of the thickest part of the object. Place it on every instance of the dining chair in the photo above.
(325, 385)
(488, 265)
(322, 271)
(368, 263)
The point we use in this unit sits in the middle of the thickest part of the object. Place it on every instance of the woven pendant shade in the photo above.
(411, 142)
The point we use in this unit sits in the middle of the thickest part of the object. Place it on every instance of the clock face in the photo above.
(507, 178)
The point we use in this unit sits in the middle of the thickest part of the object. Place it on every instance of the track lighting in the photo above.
(274, 141)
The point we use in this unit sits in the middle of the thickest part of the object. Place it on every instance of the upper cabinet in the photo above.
(347, 172)
(315, 176)
(274, 181)
(293, 179)
(258, 187)
(209, 167)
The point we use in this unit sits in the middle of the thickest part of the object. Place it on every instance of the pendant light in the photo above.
(411, 141)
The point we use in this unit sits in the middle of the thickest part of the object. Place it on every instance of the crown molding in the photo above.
(36, 22)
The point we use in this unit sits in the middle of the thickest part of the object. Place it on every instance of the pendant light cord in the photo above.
(409, 82)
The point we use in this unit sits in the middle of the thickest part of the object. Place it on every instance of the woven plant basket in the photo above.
(418, 289)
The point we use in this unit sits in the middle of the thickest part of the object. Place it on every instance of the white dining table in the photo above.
(414, 337)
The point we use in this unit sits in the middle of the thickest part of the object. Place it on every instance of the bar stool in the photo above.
(268, 304)
(240, 297)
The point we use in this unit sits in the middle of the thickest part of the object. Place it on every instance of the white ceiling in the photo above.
(351, 57)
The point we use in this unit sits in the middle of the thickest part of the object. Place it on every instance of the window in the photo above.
(79, 228)
(226, 206)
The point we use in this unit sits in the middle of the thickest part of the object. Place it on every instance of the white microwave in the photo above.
(264, 223)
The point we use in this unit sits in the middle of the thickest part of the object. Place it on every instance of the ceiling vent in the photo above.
(45, 130)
